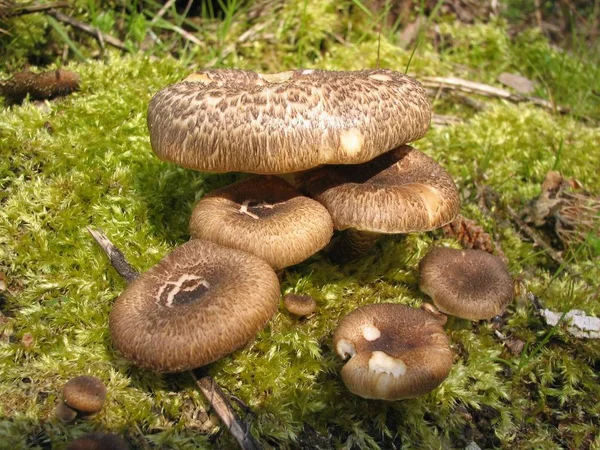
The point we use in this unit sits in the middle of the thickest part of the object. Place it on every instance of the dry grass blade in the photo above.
(92, 31)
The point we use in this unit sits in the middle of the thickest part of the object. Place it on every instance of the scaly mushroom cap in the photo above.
(85, 394)
(471, 284)
(198, 304)
(401, 191)
(225, 120)
(395, 351)
(264, 216)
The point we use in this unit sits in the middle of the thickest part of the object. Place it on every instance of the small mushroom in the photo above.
(401, 191)
(471, 284)
(199, 303)
(65, 413)
(395, 351)
(225, 120)
(85, 394)
(265, 216)
(299, 305)
(99, 441)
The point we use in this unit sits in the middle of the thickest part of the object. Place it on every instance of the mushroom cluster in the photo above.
(328, 151)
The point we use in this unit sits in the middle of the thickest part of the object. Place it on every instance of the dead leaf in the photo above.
(517, 82)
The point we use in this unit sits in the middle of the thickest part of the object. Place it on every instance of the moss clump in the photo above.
(86, 160)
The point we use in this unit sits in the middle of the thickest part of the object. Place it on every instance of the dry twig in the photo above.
(472, 87)
(92, 31)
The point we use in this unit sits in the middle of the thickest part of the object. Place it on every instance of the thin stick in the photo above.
(209, 387)
(219, 402)
(17, 10)
(472, 87)
(161, 12)
(92, 31)
(116, 256)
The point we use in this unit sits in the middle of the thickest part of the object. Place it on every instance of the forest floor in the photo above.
(85, 160)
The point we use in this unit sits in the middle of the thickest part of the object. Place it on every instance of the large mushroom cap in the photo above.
(85, 394)
(471, 284)
(233, 120)
(198, 304)
(264, 216)
(401, 191)
(395, 351)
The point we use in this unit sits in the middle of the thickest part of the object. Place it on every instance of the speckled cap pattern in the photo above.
(224, 120)
(199, 303)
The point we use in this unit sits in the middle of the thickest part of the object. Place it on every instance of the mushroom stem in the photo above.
(352, 244)
(208, 386)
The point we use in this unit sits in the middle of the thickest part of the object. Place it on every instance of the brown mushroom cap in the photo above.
(224, 120)
(85, 394)
(264, 216)
(471, 284)
(299, 305)
(395, 351)
(199, 303)
(401, 191)
(99, 441)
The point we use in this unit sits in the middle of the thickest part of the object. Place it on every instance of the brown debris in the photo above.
(565, 208)
(39, 86)
(472, 236)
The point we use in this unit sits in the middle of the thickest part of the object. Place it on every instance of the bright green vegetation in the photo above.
(85, 160)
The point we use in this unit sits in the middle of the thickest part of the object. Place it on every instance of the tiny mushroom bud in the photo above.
(84, 394)
(471, 284)
(65, 413)
(395, 351)
(299, 305)
(265, 216)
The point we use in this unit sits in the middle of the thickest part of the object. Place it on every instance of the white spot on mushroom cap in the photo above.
(203, 78)
(280, 77)
(371, 332)
(380, 77)
(381, 362)
(351, 141)
(307, 71)
(345, 348)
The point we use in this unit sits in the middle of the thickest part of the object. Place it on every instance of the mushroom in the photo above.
(401, 191)
(83, 395)
(224, 120)
(395, 351)
(265, 216)
(99, 441)
(471, 284)
(199, 303)
(299, 305)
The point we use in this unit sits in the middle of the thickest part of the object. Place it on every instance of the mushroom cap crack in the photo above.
(198, 304)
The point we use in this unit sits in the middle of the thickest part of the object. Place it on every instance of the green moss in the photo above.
(85, 160)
